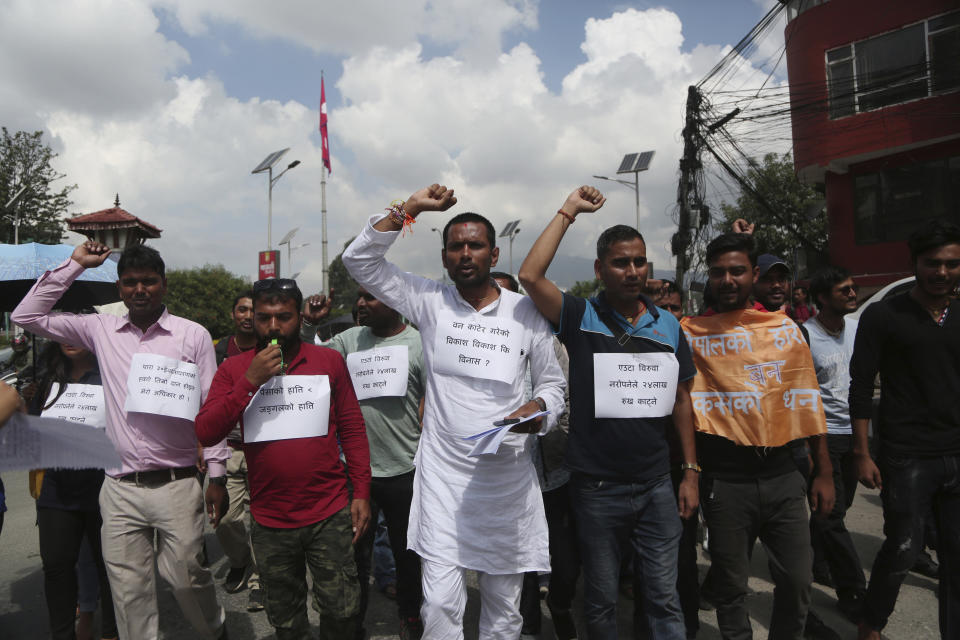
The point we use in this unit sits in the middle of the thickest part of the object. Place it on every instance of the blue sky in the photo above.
(514, 103)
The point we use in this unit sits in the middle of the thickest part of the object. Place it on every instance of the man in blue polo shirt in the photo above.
(630, 371)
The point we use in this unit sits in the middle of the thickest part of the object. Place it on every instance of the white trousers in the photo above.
(445, 598)
(131, 516)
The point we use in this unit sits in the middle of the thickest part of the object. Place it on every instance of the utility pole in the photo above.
(689, 163)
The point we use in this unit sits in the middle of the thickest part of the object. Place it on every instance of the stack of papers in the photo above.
(488, 442)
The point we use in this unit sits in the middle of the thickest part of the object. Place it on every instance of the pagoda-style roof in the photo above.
(112, 218)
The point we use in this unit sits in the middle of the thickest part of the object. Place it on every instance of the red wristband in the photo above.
(566, 215)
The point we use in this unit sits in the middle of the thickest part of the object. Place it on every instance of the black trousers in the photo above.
(775, 511)
(829, 536)
(61, 533)
(911, 486)
(564, 561)
(392, 496)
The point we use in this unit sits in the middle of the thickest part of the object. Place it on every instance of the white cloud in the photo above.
(480, 119)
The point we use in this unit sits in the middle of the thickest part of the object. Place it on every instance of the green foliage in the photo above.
(789, 226)
(344, 288)
(204, 295)
(26, 161)
(585, 288)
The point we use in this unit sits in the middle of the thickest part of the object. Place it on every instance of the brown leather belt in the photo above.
(158, 477)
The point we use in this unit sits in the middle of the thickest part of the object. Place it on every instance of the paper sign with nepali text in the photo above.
(81, 403)
(755, 382)
(287, 407)
(478, 346)
(379, 372)
(163, 386)
(634, 385)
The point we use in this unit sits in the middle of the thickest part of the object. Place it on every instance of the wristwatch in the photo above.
(540, 403)
(693, 466)
(220, 480)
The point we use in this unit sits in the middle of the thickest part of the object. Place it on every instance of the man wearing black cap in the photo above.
(773, 282)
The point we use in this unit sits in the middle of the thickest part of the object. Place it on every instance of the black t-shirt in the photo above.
(629, 449)
(919, 365)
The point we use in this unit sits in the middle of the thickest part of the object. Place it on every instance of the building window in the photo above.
(891, 204)
(917, 61)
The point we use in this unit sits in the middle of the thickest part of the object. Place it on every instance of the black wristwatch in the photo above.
(540, 403)
(220, 480)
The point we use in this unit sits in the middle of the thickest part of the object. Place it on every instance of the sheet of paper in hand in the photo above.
(478, 346)
(488, 442)
(634, 385)
(163, 386)
(81, 403)
(39, 442)
(287, 407)
(379, 372)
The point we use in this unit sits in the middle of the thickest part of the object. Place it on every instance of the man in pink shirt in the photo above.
(155, 490)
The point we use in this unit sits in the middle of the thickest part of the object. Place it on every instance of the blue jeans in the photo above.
(610, 514)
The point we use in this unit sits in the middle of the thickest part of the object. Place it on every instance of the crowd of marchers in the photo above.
(533, 438)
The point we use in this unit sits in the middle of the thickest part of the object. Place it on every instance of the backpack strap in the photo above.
(622, 337)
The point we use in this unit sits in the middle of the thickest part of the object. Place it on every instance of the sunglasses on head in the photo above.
(275, 284)
(846, 289)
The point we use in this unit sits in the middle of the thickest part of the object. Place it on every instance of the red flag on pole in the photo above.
(323, 127)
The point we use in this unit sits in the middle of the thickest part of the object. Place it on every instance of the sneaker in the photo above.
(563, 625)
(849, 603)
(926, 565)
(255, 601)
(411, 629)
(236, 580)
(817, 629)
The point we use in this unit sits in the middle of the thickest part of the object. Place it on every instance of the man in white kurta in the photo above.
(484, 512)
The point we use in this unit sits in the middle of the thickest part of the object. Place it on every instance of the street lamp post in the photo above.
(633, 163)
(267, 165)
(288, 240)
(443, 273)
(15, 212)
(510, 231)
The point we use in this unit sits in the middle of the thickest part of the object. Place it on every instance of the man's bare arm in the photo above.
(533, 271)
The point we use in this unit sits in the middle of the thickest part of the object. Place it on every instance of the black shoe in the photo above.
(236, 580)
(817, 629)
(255, 601)
(563, 624)
(849, 603)
(821, 575)
(926, 565)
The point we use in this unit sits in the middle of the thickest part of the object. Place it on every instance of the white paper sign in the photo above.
(478, 346)
(34, 442)
(287, 407)
(634, 385)
(163, 386)
(81, 403)
(379, 372)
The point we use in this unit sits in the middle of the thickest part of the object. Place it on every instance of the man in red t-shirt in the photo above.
(296, 404)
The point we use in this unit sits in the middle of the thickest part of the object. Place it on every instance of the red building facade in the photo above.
(875, 100)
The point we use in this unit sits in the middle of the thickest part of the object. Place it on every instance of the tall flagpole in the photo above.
(323, 228)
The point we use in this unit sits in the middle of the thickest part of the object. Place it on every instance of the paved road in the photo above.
(23, 613)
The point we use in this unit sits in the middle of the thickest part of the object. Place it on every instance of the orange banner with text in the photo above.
(755, 382)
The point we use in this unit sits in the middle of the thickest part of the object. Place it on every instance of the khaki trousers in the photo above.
(232, 531)
(173, 511)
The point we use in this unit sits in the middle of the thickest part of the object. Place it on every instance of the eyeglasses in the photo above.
(279, 284)
(846, 289)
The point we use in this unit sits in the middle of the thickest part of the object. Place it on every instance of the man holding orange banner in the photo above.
(756, 392)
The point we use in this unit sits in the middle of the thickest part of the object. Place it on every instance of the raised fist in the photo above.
(316, 308)
(742, 226)
(436, 197)
(583, 199)
(90, 254)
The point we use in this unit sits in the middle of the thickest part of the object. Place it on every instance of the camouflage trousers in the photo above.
(325, 547)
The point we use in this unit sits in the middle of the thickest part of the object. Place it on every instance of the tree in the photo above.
(26, 161)
(344, 287)
(788, 214)
(205, 295)
(585, 288)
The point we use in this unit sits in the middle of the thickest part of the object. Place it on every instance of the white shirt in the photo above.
(831, 359)
(483, 513)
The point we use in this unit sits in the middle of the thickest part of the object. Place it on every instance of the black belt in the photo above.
(158, 477)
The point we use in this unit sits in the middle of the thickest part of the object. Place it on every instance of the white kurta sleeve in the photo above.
(366, 263)
(548, 380)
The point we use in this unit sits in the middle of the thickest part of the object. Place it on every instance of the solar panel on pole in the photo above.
(270, 160)
(508, 229)
(626, 165)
